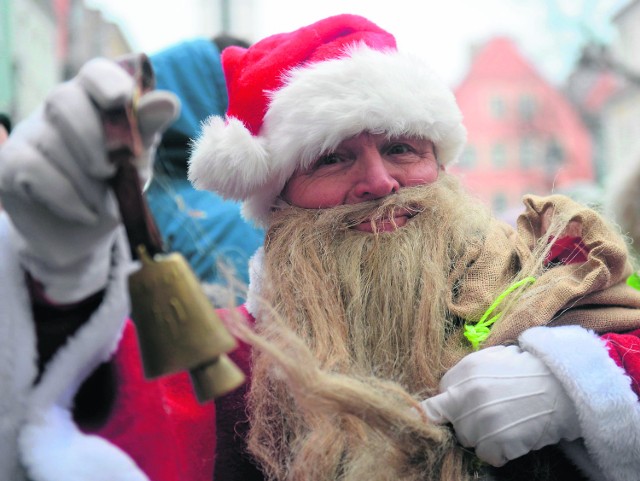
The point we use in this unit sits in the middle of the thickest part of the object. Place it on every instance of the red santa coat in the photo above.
(159, 423)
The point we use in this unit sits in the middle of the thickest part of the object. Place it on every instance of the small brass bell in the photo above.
(178, 328)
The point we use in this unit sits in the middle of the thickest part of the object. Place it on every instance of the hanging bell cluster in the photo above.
(178, 328)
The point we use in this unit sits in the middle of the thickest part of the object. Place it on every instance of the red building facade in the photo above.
(524, 136)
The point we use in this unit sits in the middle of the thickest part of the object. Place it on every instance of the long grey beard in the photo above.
(370, 323)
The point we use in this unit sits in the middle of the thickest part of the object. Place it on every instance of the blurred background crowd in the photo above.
(551, 96)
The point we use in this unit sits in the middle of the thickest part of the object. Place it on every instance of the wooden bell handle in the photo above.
(123, 144)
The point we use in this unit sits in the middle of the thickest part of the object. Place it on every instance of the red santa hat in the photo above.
(297, 95)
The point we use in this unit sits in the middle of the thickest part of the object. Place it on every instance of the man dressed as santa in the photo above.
(393, 328)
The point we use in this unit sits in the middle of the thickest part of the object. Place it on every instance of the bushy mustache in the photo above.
(408, 200)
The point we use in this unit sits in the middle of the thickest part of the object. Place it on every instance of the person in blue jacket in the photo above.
(208, 230)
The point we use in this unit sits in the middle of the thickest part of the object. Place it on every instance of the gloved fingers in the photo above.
(107, 83)
(26, 177)
(505, 445)
(435, 408)
(475, 364)
(74, 108)
(442, 409)
(493, 365)
(155, 112)
(494, 455)
(471, 433)
(70, 111)
(55, 244)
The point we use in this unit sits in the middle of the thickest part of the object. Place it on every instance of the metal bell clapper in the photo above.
(178, 328)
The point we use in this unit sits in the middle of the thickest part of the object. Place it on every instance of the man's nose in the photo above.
(375, 178)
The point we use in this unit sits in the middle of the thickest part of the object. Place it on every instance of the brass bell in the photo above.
(216, 378)
(178, 328)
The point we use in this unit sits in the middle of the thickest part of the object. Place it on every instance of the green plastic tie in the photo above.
(634, 281)
(478, 332)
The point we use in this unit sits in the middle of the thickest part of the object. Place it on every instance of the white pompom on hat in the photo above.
(297, 95)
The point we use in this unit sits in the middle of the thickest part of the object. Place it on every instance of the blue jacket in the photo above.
(205, 228)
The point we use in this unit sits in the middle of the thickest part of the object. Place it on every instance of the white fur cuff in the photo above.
(608, 410)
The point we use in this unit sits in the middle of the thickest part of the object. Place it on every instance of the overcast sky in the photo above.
(548, 32)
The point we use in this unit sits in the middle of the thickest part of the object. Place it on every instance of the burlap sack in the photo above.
(593, 294)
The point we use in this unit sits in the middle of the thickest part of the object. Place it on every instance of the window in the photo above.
(497, 107)
(499, 156)
(554, 157)
(527, 153)
(499, 202)
(526, 107)
(468, 157)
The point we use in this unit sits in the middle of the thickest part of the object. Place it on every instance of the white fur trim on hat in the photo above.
(227, 159)
(318, 107)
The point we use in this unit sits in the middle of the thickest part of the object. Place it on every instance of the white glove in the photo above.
(53, 178)
(504, 402)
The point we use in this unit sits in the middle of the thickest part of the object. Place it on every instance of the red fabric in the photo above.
(567, 250)
(624, 349)
(252, 73)
(233, 463)
(159, 423)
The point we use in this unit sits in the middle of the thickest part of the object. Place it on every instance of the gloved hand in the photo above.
(504, 402)
(53, 178)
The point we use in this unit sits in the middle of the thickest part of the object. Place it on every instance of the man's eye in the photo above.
(395, 149)
(328, 159)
